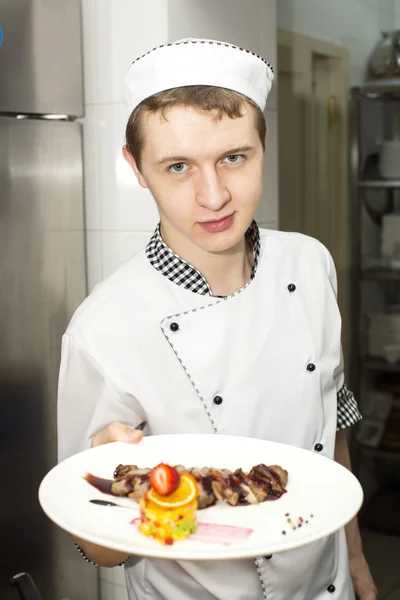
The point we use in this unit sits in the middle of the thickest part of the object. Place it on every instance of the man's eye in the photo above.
(178, 168)
(234, 158)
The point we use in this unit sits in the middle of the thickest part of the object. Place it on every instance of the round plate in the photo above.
(322, 496)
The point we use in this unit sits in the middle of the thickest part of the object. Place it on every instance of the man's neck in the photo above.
(225, 273)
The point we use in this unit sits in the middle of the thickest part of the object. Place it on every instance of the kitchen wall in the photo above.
(120, 216)
(397, 14)
(354, 23)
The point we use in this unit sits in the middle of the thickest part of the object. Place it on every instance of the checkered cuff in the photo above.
(347, 409)
(81, 552)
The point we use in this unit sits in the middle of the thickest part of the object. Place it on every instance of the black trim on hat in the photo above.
(204, 42)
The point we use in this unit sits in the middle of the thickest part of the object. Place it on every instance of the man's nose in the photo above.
(212, 191)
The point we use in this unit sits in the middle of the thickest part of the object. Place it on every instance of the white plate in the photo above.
(323, 493)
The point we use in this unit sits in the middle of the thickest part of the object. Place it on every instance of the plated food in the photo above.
(169, 497)
(168, 510)
(224, 532)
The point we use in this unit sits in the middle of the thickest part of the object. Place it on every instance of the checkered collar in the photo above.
(182, 273)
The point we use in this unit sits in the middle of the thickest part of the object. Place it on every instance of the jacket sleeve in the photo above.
(339, 372)
(87, 401)
(348, 413)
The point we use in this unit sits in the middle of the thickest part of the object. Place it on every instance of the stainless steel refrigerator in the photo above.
(42, 277)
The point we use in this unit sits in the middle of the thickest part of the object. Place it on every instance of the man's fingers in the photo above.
(116, 432)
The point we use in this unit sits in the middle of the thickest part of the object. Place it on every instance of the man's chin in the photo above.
(219, 243)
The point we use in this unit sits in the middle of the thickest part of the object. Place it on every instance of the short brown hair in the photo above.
(202, 98)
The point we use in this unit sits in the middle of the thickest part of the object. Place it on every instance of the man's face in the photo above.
(205, 176)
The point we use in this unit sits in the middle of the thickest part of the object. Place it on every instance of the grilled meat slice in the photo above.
(254, 493)
(281, 474)
(140, 488)
(122, 487)
(222, 486)
(265, 478)
(181, 469)
(130, 470)
(206, 498)
(217, 490)
(224, 494)
(204, 482)
(131, 481)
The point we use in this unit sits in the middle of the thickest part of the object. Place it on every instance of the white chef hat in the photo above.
(198, 62)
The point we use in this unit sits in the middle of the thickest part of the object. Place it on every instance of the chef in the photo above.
(217, 326)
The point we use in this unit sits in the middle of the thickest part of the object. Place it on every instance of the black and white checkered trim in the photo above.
(173, 267)
(210, 42)
(177, 270)
(347, 409)
(81, 552)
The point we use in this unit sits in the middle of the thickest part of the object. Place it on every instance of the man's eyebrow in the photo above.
(173, 159)
(181, 158)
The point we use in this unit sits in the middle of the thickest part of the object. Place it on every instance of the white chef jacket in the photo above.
(142, 348)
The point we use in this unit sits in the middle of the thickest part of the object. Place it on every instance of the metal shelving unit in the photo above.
(370, 372)
(380, 183)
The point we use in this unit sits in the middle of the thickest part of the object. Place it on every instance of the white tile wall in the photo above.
(112, 591)
(354, 23)
(119, 246)
(397, 14)
(112, 584)
(89, 50)
(117, 33)
(114, 200)
(115, 575)
(124, 205)
(94, 257)
(91, 167)
(268, 208)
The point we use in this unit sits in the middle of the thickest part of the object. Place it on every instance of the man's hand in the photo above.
(117, 432)
(364, 585)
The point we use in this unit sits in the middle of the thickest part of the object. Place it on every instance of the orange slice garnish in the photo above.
(186, 492)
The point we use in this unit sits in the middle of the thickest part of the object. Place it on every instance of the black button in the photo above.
(311, 367)
(291, 287)
(174, 327)
(331, 589)
(217, 400)
(318, 447)
(268, 557)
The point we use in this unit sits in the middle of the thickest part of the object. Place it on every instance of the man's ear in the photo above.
(132, 163)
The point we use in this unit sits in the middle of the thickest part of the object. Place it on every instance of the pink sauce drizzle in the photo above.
(216, 534)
